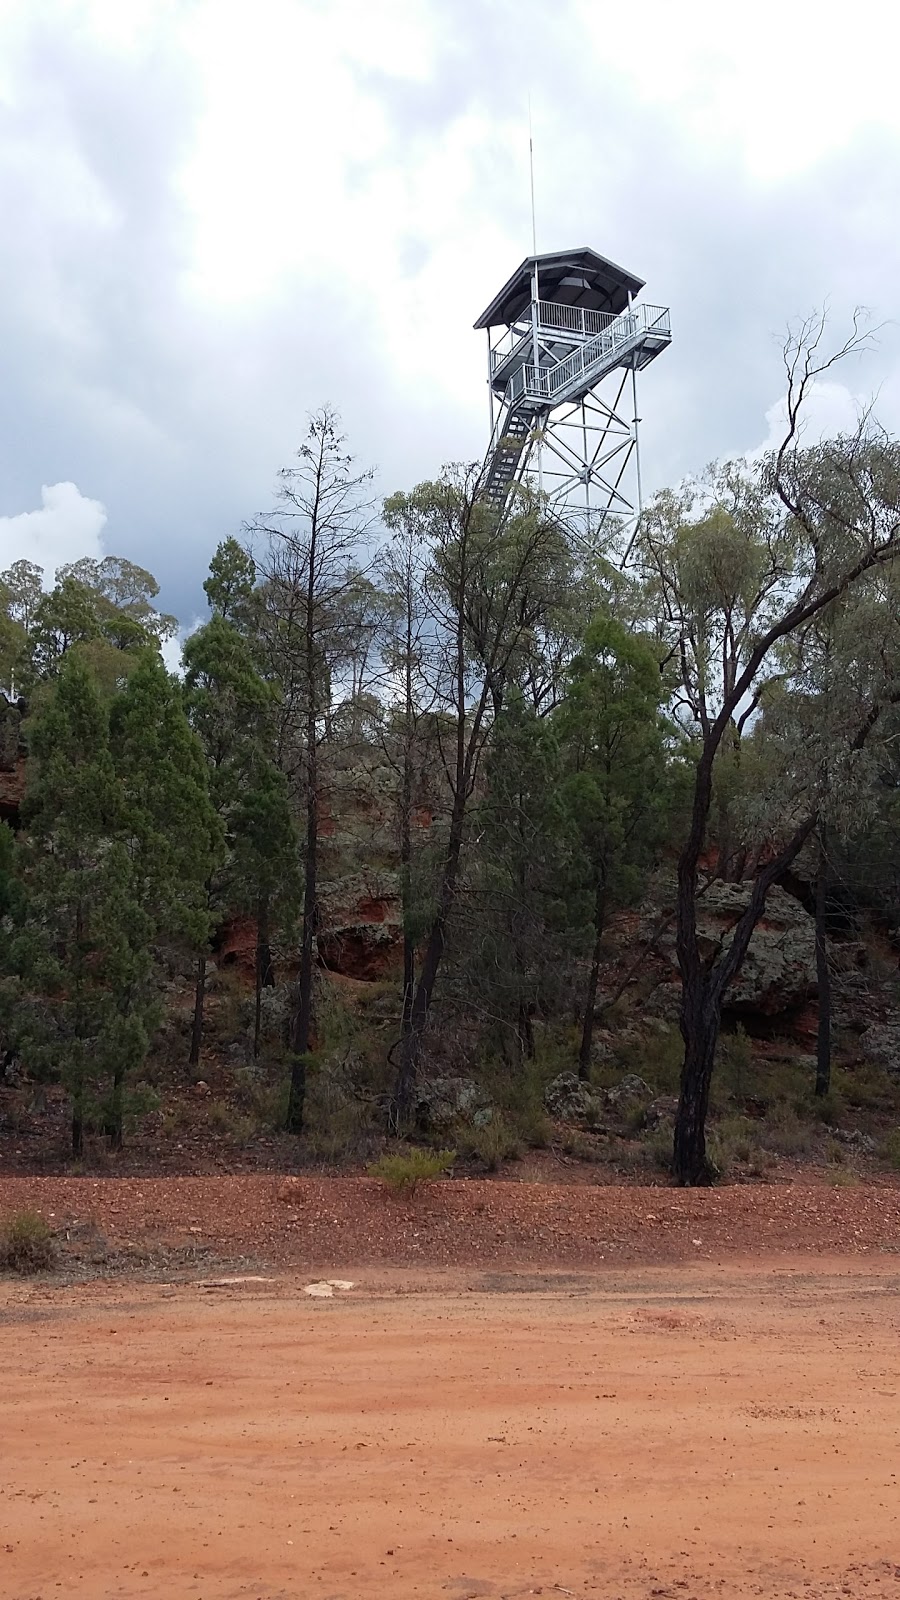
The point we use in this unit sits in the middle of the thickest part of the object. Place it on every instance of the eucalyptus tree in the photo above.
(822, 518)
(311, 552)
(618, 781)
(488, 587)
(228, 703)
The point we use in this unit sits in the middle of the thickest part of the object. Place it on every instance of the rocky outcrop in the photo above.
(567, 1098)
(360, 926)
(360, 932)
(441, 1104)
(880, 1044)
(778, 974)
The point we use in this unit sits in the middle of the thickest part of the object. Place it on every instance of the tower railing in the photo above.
(547, 384)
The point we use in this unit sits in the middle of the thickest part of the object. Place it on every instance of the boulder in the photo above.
(778, 973)
(568, 1098)
(631, 1092)
(440, 1103)
(880, 1044)
(661, 1112)
(360, 931)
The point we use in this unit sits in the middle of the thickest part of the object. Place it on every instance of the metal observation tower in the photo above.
(566, 338)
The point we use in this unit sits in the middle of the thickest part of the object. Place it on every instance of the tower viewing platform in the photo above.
(561, 326)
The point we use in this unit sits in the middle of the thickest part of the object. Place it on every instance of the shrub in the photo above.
(783, 1132)
(493, 1144)
(222, 1119)
(26, 1243)
(403, 1171)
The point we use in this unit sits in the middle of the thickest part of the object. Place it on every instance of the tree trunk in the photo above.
(199, 997)
(823, 973)
(77, 1126)
(411, 1038)
(700, 1032)
(587, 1030)
(113, 1127)
(301, 1030)
(265, 976)
(409, 952)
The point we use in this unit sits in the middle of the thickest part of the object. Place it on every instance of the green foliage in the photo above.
(493, 1144)
(26, 1243)
(229, 586)
(404, 1171)
(120, 836)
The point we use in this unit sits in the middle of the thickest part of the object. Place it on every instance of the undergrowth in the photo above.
(26, 1243)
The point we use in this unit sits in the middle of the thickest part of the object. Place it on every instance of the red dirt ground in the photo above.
(319, 1222)
(478, 1423)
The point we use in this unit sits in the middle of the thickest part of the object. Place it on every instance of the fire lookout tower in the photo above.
(566, 341)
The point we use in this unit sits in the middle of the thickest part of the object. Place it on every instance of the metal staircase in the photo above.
(504, 460)
(567, 336)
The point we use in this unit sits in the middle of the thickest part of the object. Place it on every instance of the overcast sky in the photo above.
(218, 214)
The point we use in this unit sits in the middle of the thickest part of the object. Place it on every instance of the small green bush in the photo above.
(783, 1132)
(222, 1119)
(405, 1170)
(493, 1144)
(26, 1243)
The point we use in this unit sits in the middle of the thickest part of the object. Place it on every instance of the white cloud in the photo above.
(67, 526)
(830, 409)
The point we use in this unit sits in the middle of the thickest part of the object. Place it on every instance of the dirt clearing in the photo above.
(693, 1432)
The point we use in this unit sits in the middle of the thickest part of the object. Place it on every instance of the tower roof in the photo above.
(570, 277)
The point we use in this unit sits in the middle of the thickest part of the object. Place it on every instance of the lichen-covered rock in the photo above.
(778, 973)
(568, 1098)
(440, 1103)
(880, 1044)
(661, 1112)
(360, 931)
(631, 1092)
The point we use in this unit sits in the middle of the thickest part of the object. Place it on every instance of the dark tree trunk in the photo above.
(77, 1128)
(587, 1029)
(411, 1039)
(409, 952)
(265, 974)
(199, 997)
(301, 1030)
(114, 1124)
(700, 1031)
(702, 989)
(823, 973)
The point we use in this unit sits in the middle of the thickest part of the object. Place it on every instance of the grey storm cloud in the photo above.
(235, 213)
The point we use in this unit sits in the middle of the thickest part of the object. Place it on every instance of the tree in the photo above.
(227, 703)
(73, 951)
(230, 584)
(406, 645)
(170, 832)
(617, 792)
(824, 517)
(265, 872)
(487, 588)
(312, 542)
(515, 934)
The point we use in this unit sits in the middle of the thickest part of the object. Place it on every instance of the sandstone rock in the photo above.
(438, 1103)
(568, 1098)
(880, 1044)
(361, 925)
(779, 970)
(856, 1139)
(631, 1092)
(661, 1112)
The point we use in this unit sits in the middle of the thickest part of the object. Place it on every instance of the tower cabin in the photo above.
(559, 327)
